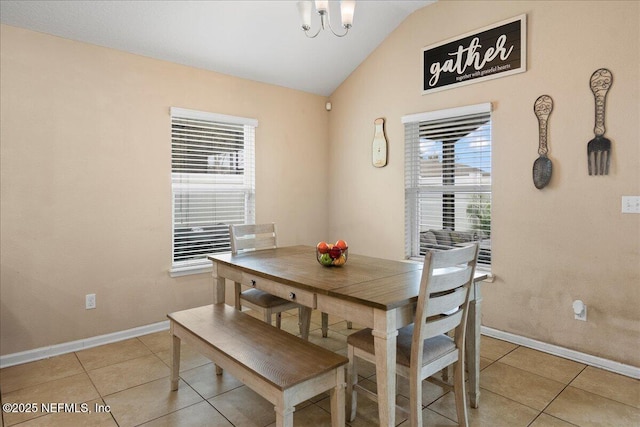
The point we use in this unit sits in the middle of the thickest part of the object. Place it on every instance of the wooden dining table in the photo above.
(377, 293)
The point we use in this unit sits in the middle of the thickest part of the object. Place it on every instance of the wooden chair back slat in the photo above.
(452, 279)
(252, 237)
(443, 304)
(452, 257)
(442, 324)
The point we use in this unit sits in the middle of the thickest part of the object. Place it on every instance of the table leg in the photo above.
(473, 346)
(325, 324)
(175, 360)
(218, 285)
(305, 322)
(384, 338)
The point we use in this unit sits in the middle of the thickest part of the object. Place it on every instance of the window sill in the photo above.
(191, 269)
(490, 276)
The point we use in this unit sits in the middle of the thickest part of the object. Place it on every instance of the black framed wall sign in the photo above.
(498, 50)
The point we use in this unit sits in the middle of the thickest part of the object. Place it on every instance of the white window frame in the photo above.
(189, 182)
(419, 190)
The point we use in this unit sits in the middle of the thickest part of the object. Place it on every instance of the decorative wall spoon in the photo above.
(542, 166)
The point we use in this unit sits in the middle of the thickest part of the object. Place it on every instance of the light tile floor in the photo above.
(127, 384)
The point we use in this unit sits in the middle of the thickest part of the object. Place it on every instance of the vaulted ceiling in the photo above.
(257, 40)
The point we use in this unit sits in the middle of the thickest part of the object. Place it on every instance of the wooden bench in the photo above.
(282, 368)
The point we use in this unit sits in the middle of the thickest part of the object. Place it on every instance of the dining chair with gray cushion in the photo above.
(250, 237)
(425, 347)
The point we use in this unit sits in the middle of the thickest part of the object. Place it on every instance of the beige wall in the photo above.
(568, 241)
(86, 191)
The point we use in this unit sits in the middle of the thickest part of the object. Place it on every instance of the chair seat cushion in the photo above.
(434, 348)
(262, 298)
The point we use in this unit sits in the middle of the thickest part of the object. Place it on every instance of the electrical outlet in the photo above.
(630, 204)
(580, 310)
(90, 301)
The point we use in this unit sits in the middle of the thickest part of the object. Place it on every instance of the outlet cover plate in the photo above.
(631, 204)
(90, 301)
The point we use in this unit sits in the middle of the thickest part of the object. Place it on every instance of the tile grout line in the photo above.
(94, 386)
(567, 385)
(204, 398)
(509, 398)
(556, 396)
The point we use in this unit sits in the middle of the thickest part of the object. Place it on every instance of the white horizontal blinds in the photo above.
(213, 182)
(448, 180)
(411, 188)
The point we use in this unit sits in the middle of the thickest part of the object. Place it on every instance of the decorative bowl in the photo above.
(333, 257)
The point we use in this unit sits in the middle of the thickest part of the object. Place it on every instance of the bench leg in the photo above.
(284, 417)
(175, 360)
(337, 400)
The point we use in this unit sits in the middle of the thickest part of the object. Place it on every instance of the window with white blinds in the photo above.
(448, 180)
(212, 182)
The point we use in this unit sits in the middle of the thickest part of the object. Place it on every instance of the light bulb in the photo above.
(322, 6)
(304, 8)
(347, 8)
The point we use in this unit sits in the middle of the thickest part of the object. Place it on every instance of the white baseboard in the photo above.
(58, 349)
(587, 359)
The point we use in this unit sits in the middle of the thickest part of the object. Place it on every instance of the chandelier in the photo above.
(322, 8)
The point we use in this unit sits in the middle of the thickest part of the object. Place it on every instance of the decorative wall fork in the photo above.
(599, 148)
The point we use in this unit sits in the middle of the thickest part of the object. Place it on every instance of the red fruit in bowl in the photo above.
(322, 248)
(341, 244)
(335, 252)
